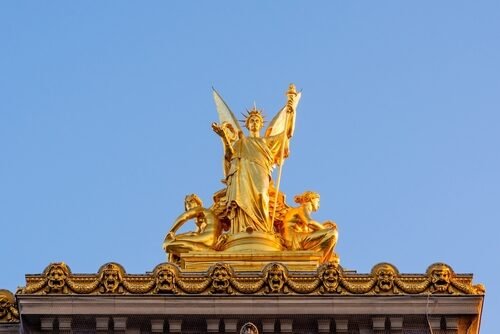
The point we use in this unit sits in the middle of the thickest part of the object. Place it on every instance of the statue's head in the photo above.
(329, 275)
(308, 198)
(111, 276)
(440, 275)
(165, 276)
(192, 201)
(276, 277)
(221, 274)
(56, 274)
(385, 274)
(6, 302)
(254, 120)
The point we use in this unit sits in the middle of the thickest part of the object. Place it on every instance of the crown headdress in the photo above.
(254, 112)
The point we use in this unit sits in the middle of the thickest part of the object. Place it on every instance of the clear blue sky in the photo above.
(105, 112)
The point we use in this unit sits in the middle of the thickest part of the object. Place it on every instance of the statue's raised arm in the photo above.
(282, 125)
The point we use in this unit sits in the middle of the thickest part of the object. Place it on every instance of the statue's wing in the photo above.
(278, 123)
(225, 114)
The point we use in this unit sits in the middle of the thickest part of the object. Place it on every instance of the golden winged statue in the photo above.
(250, 159)
(250, 213)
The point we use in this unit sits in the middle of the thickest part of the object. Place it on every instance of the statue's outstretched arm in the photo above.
(218, 129)
(291, 125)
(183, 218)
(284, 121)
(228, 134)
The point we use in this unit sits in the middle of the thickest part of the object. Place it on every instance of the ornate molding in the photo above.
(9, 311)
(275, 278)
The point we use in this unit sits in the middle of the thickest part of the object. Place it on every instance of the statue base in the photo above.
(250, 260)
(252, 241)
(250, 251)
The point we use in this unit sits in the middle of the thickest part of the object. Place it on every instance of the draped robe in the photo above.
(248, 178)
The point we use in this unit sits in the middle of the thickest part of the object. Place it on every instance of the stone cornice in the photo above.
(274, 278)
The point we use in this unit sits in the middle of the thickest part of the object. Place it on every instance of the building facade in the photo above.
(224, 300)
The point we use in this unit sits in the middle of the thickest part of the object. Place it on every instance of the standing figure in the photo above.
(301, 232)
(207, 231)
(249, 161)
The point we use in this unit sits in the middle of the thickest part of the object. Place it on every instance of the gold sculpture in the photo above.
(249, 161)
(301, 232)
(208, 229)
(250, 214)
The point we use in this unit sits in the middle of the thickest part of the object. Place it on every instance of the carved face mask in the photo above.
(385, 279)
(56, 278)
(441, 278)
(220, 279)
(276, 278)
(165, 280)
(111, 280)
(330, 279)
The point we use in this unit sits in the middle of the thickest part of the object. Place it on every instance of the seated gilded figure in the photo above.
(204, 237)
(301, 232)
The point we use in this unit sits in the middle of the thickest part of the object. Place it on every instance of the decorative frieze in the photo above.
(221, 278)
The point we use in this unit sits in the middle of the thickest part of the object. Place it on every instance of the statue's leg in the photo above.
(321, 240)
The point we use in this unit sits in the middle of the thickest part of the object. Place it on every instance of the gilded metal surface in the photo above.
(301, 232)
(208, 229)
(8, 307)
(252, 260)
(221, 278)
(250, 213)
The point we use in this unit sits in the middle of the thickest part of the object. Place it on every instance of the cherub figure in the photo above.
(207, 231)
(301, 232)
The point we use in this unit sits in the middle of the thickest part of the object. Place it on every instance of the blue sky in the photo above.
(105, 113)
